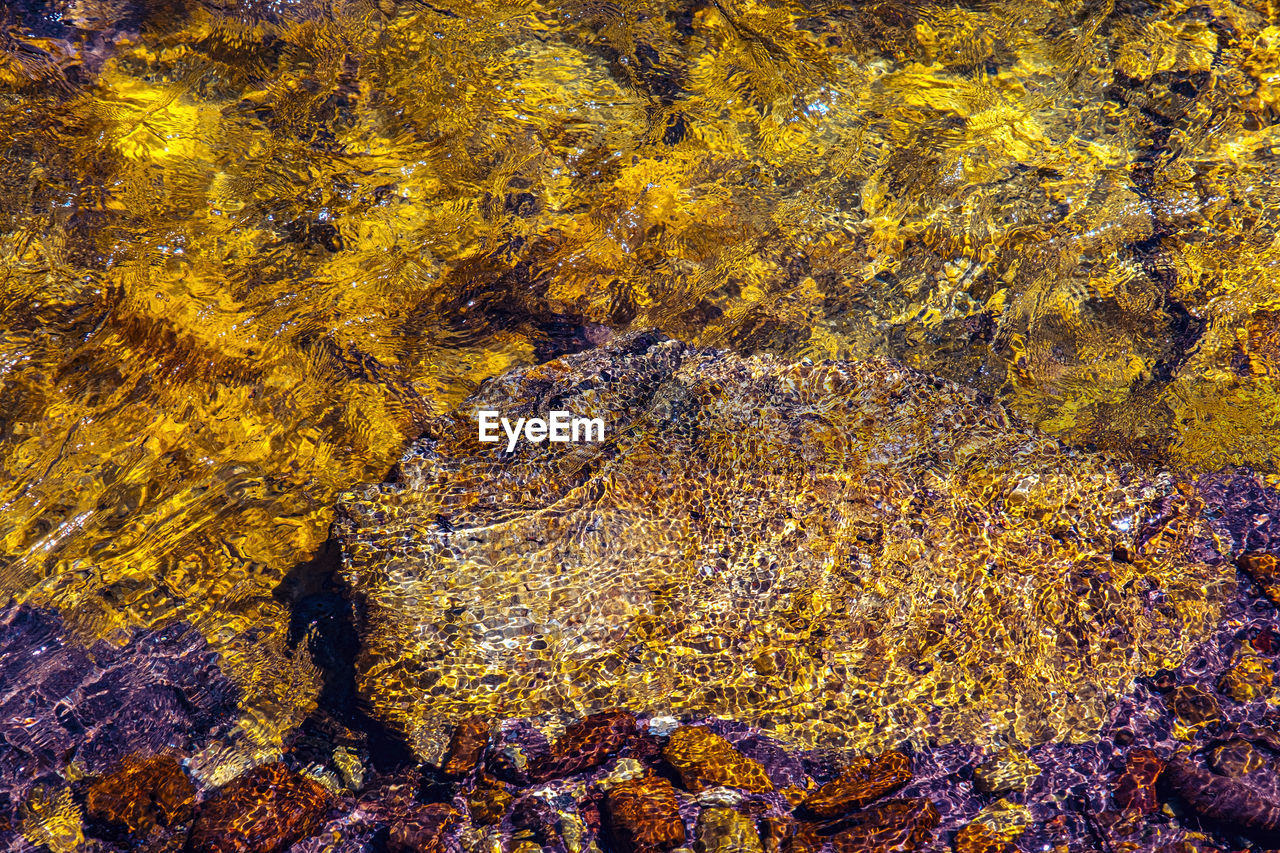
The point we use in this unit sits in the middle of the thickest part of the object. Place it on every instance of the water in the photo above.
(249, 249)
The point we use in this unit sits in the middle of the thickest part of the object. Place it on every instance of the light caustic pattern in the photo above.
(248, 248)
(849, 554)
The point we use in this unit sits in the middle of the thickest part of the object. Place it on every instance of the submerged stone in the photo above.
(588, 743)
(644, 816)
(426, 830)
(977, 837)
(858, 784)
(1008, 770)
(706, 760)
(141, 794)
(895, 826)
(853, 551)
(466, 746)
(262, 811)
(1264, 570)
(1222, 799)
(1135, 790)
(723, 830)
(1235, 758)
(1193, 706)
(1250, 677)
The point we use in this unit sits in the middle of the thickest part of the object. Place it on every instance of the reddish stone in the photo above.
(587, 743)
(858, 784)
(894, 826)
(466, 746)
(262, 811)
(643, 815)
(141, 794)
(1267, 641)
(1135, 790)
(980, 838)
(425, 831)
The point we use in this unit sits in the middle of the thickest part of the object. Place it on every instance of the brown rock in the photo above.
(804, 839)
(723, 830)
(425, 831)
(1135, 790)
(1249, 678)
(141, 794)
(776, 832)
(1235, 758)
(466, 746)
(894, 826)
(643, 815)
(587, 743)
(706, 760)
(262, 811)
(1264, 569)
(1220, 798)
(980, 838)
(858, 784)
(1192, 706)
(487, 802)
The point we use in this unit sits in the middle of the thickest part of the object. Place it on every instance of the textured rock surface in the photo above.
(705, 760)
(60, 701)
(262, 811)
(644, 816)
(862, 781)
(852, 552)
(142, 794)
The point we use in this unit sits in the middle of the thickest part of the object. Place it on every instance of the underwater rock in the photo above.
(1008, 770)
(466, 746)
(706, 760)
(487, 802)
(519, 748)
(723, 830)
(425, 831)
(858, 784)
(644, 816)
(1264, 569)
(142, 794)
(895, 825)
(1135, 790)
(162, 690)
(1220, 798)
(1193, 706)
(1235, 758)
(853, 551)
(1249, 678)
(979, 838)
(587, 743)
(261, 811)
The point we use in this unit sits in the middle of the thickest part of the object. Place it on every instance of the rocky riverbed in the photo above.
(132, 746)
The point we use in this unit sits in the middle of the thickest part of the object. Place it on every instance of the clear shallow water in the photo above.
(247, 250)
